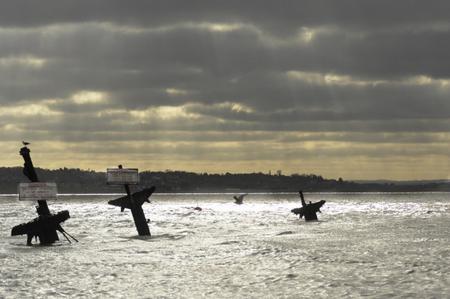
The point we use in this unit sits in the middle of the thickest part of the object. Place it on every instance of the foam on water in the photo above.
(376, 245)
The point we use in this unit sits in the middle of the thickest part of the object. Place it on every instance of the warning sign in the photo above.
(122, 176)
(38, 191)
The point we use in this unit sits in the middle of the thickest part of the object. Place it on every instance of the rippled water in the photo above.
(376, 245)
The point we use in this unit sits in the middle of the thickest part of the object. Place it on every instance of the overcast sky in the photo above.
(354, 89)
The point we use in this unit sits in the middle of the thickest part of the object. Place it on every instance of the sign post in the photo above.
(45, 226)
(126, 177)
(30, 173)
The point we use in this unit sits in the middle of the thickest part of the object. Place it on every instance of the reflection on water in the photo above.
(376, 245)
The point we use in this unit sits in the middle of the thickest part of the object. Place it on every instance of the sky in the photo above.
(355, 89)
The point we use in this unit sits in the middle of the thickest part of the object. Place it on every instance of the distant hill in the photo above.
(87, 181)
(413, 182)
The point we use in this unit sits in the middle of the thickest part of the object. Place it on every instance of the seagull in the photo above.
(25, 143)
(239, 199)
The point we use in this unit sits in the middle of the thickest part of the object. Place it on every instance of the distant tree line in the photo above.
(71, 180)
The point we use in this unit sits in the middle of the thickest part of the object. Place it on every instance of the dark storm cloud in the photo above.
(268, 14)
(359, 73)
(137, 69)
(354, 51)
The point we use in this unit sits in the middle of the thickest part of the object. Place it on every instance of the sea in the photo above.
(371, 245)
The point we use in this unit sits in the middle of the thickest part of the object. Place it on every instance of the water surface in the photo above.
(366, 244)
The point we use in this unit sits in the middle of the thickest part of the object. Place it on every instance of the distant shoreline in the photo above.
(77, 181)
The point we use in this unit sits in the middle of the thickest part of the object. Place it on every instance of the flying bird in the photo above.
(239, 199)
(25, 143)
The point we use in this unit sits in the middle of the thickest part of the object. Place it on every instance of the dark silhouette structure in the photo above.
(309, 211)
(134, 202)
(28, 168)
(239, 199)
(40, 226)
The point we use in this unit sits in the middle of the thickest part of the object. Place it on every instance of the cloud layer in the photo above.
(359, 89)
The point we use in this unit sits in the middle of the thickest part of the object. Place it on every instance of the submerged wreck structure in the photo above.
(309, 211)
(134, 202)
(46, 225)
(40, 226)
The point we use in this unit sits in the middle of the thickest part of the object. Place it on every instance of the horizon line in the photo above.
(359, 180)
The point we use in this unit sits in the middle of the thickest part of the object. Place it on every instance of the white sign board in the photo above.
(38, 191)
(122, 176)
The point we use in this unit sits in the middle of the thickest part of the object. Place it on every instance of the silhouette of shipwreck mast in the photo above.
(308, 210)
(134, 202)
(46, 224)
